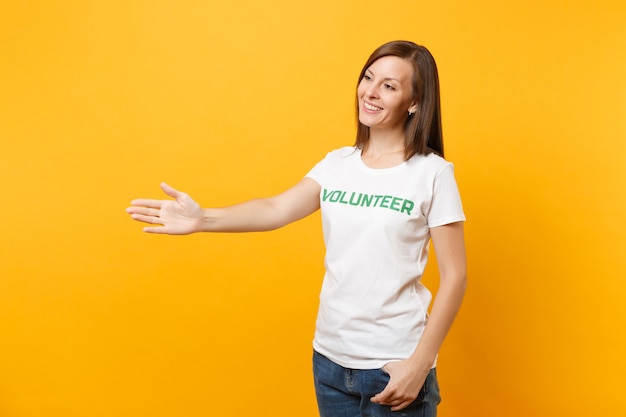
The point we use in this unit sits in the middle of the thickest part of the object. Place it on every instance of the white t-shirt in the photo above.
(376, 224)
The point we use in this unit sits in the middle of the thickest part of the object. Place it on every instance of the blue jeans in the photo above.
(343, 392)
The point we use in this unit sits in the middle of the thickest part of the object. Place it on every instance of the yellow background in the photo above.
(102, 100)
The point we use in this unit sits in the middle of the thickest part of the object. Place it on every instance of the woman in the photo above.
(382, 200)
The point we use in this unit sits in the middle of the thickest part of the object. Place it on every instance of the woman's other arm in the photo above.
(408, 376)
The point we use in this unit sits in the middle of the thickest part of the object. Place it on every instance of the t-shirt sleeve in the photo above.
(446, 206)
(319, 172)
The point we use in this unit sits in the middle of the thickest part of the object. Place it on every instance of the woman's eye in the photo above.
(389, 87)
(367, 77)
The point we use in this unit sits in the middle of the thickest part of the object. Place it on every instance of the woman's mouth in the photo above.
(371, 107)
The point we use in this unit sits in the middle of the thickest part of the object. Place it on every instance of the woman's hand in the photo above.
(403, 387)
(180, 216)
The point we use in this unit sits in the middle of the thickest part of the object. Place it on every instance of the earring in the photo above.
(410, 113)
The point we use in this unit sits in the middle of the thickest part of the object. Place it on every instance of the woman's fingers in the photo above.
(153, 203)
(159, 229)
(172, 192)
(143, 202)
(146, 211)
(146, 219)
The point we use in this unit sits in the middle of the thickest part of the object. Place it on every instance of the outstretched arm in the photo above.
(408, 376)
(183, 215)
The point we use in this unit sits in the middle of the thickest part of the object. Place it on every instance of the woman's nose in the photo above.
(371, 91)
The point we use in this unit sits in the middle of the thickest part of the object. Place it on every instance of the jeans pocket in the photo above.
(429, 394)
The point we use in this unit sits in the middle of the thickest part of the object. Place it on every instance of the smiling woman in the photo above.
(386, 96)
(100, 100)
(404, 77)
(375, 346)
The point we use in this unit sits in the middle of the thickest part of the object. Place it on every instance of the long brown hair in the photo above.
(423, 133)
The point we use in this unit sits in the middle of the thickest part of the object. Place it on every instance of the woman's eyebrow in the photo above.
(384, 79)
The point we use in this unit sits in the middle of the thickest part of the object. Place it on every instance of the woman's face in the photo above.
(385, 93)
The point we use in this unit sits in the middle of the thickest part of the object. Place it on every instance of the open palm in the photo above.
(180, 216)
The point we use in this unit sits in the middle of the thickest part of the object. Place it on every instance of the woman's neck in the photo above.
(384, 143)
(384, 151)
